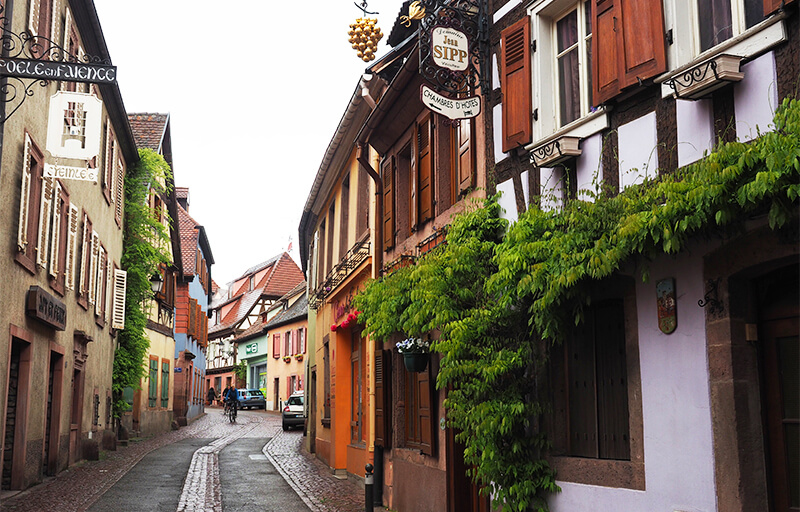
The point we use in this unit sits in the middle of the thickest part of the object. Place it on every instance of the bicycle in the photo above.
(230, 410)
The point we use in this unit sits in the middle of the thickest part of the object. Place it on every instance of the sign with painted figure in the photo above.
(464, 108)
(450, 48)
(666, 305)
(74, 126)
(252, 348)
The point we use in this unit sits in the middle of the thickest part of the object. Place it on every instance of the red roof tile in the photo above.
(148, 129)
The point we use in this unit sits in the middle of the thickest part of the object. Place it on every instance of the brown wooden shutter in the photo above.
(383, 383)
(387, 175)
(362, 203)
(427, 428)
(627, 45)
(515, 61)
(424, 160)
(612, 388)
(582, 395)
(466, 156)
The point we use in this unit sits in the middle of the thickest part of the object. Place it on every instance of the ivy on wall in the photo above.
(490, 295)
(145, 246)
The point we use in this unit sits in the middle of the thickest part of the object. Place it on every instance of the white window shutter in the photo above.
(86, 248)
(24, 197)
(33, 17)
(72, 247)
(55, 25)
(55, 239)
(99, 281)
(45, 210)
(109, 288)
(120, 282)
(93, 250)
(119, 172)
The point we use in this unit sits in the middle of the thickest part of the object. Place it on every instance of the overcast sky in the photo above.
(255, 90)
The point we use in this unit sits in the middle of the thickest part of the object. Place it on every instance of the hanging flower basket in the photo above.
(286, 359)
(415, 353)
(416, 361)
(299, 357)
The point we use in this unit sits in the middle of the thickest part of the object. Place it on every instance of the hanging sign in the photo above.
(55, 70)
(66, 172)
(450, 48)
(74, 126)
(454, 109)
(667, 306)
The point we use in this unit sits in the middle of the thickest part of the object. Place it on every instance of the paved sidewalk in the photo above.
(78, 487)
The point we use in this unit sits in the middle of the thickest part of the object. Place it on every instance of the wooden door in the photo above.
(778, 337)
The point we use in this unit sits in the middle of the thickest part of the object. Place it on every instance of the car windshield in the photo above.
(295, 400)
(255, 392)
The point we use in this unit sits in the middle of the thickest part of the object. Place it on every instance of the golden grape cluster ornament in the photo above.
(364, 36)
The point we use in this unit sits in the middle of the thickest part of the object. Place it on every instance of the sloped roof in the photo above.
(187, 227)
(298, 311)
(282, 275)
(148, 129)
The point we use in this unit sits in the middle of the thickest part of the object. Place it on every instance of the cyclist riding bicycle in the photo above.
(232, 398)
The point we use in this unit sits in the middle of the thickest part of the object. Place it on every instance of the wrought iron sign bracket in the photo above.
(29, 59)
(470, 18)
(711, 297)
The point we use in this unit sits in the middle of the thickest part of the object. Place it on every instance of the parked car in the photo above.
(292, 414)
(252, 398)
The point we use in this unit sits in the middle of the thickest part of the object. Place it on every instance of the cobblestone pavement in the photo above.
(78, 487)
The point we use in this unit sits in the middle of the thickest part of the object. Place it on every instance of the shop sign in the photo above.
(59, 70)
(450, 48)
(74, 129)
(46, 308)
(454, 109)
(252, 348)
(70, 173)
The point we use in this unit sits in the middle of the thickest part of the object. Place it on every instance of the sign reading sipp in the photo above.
(450, 48)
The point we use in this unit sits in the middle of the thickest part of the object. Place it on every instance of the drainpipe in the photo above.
(362, 156)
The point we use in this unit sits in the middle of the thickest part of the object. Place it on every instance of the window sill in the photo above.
(747, 45)
(543, 152)
(601, 472)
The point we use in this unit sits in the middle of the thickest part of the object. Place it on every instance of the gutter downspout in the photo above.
(362, 157)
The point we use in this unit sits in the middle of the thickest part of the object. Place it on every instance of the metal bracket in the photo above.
(15, 90)
(691, 76)
(711, 297)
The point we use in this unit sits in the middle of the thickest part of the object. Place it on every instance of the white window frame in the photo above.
(584, 70)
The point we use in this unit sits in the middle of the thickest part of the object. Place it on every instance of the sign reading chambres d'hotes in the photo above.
(55, 70)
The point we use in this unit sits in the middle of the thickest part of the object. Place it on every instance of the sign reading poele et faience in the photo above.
(55, 70)
(450, 48)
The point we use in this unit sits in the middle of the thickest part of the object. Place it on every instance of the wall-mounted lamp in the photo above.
(156, 283)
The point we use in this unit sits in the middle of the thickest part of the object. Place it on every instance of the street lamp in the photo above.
(156, 283)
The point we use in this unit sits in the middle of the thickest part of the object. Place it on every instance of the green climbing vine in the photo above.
(489, 295)
(145, 246)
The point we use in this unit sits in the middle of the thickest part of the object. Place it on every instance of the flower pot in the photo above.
(416, 361)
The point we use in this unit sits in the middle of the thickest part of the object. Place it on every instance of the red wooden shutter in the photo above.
(427, 428)
(276, 346)
(387, 175)
(515, 61)
(466, 156)
(424, 159)
(605, 71)
(771, 6)
(383, 382)
(627, 45)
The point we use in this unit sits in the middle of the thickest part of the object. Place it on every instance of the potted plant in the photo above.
(286, 359)
(299, 357)
(415, 353)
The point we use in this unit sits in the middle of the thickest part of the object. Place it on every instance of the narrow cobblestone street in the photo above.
(84, 485)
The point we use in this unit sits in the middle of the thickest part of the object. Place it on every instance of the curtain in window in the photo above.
(568, 73)
(716, 22)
